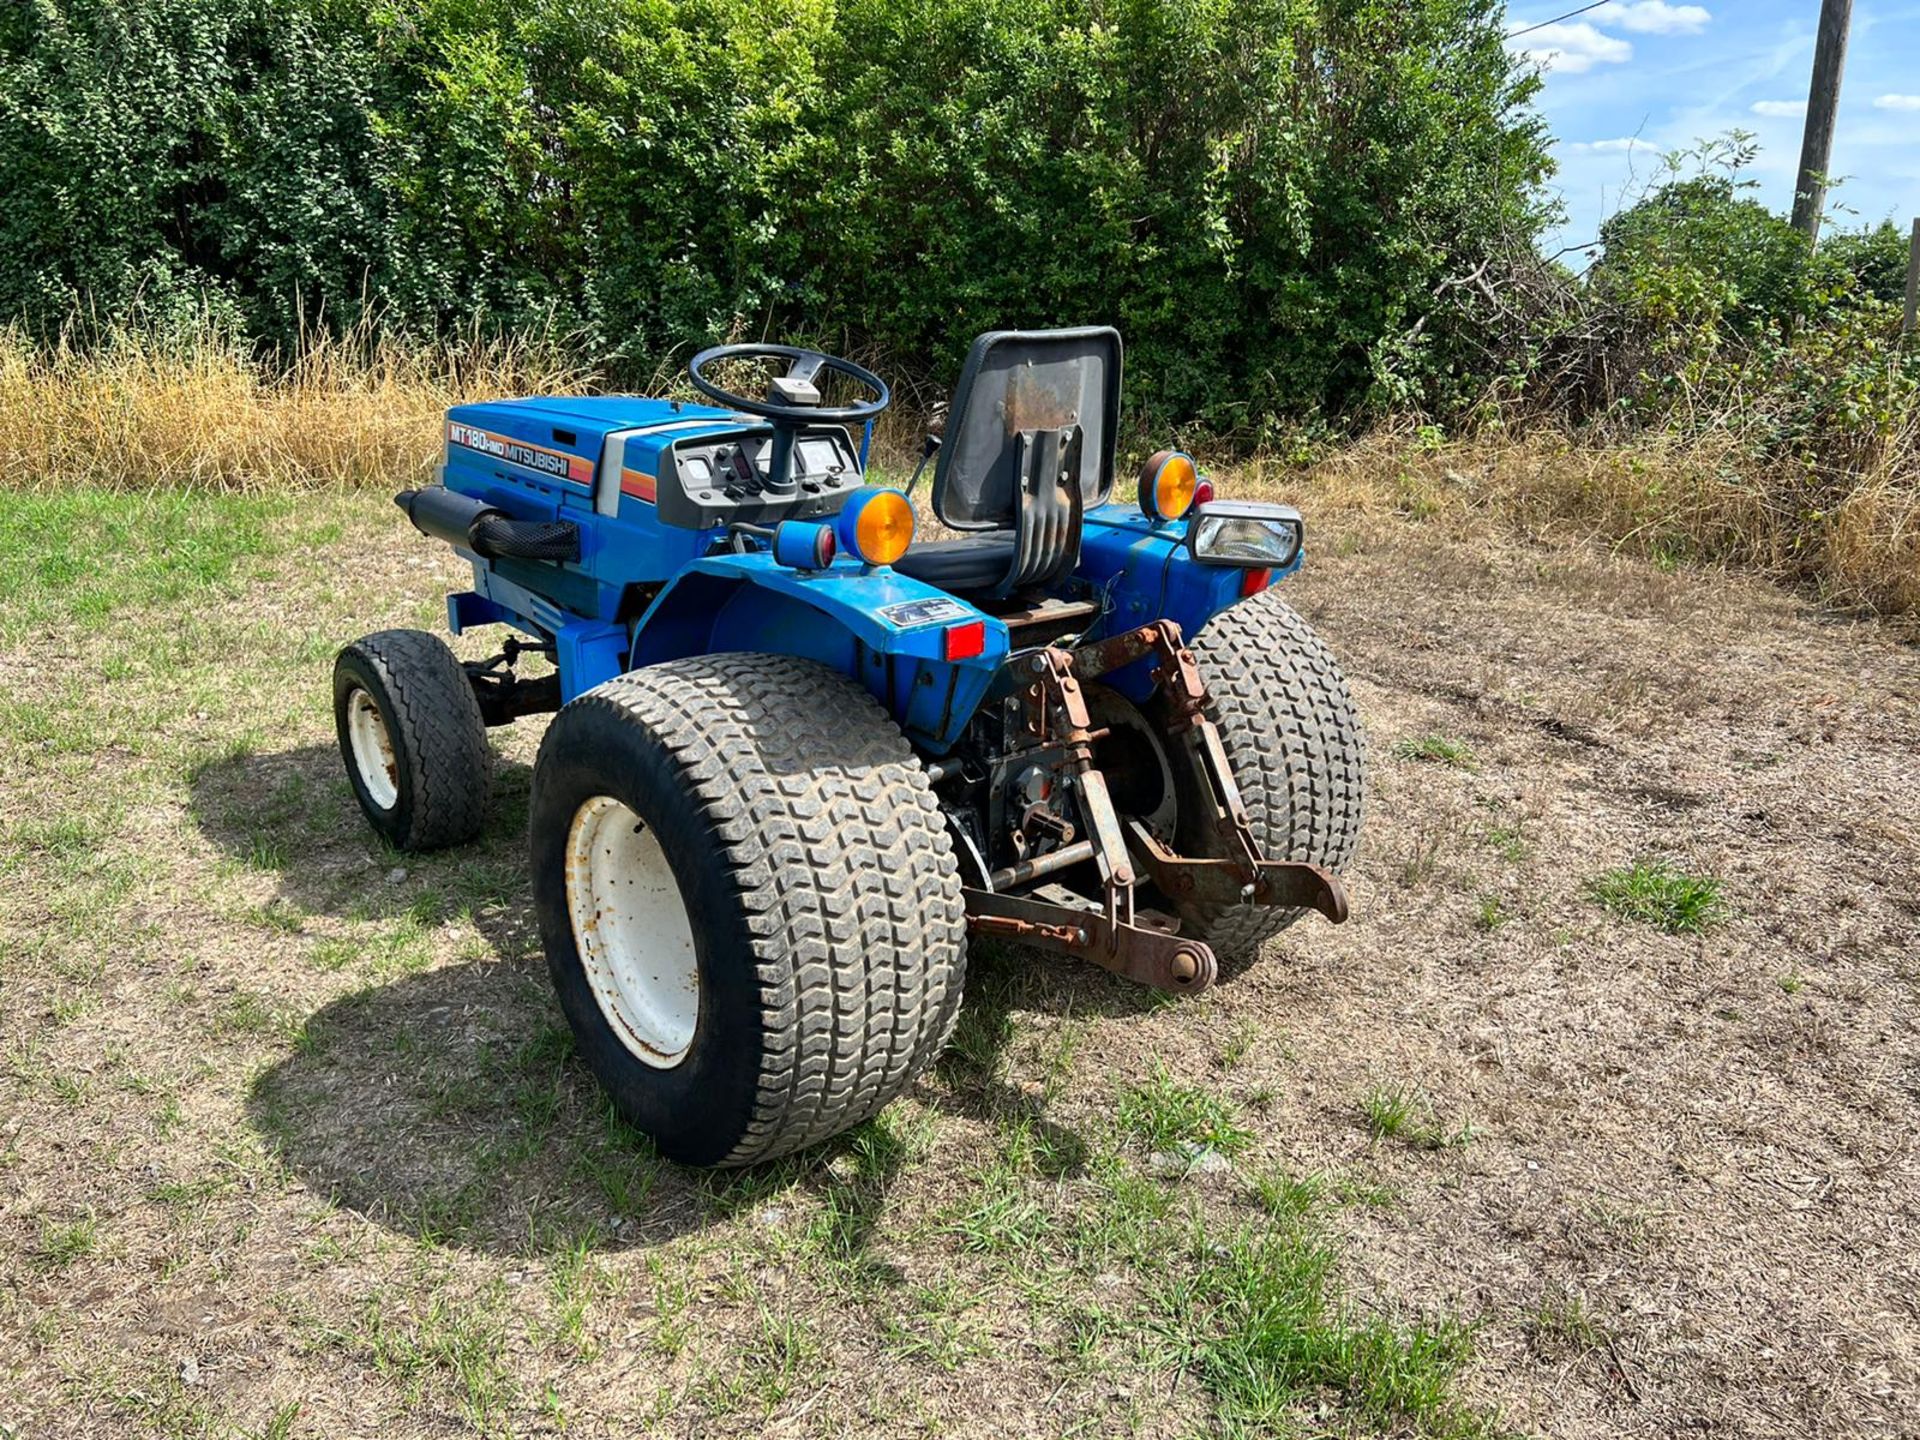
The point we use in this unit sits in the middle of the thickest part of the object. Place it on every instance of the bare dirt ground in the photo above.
(292, 1142)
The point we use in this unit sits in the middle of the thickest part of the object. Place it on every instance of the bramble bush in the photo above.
(1262, 194)
(1760, 393)
(1740, 329)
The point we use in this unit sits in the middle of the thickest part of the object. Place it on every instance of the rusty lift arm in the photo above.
(1138, 943)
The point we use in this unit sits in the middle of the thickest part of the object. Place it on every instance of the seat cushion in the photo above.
(978, 562)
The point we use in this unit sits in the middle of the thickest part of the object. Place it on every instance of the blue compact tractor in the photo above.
(800, 757)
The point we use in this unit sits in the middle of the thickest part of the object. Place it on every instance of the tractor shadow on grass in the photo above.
(448, 1104)
(291, 814)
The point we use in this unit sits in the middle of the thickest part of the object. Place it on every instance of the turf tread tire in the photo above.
(444, 765)
(805, 816)
(1295, 746)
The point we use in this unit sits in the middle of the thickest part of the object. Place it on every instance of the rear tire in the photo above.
(411, 735)
(1298, 756)
(815, 908)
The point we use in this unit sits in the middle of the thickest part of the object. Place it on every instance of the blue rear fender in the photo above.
(884, 629)
(1143, 570)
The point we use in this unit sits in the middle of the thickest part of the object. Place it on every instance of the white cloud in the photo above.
(1627, 144)
(1897, 102)
(1780, 109)
(1656, 17)
(1572, 49)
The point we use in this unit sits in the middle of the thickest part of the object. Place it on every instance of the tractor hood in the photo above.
(562, 437)
(598, 413)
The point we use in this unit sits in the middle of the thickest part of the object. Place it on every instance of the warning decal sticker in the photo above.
(909, 613)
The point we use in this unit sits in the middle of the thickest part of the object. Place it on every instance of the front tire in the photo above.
(809, 959)
(412, 738)
(1295, 746)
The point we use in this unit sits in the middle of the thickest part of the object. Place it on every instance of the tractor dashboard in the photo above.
(707, 480)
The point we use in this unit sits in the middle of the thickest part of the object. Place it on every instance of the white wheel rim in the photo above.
(633, 932)
(372, 748)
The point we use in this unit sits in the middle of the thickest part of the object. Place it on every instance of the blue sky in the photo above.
(1635, 78)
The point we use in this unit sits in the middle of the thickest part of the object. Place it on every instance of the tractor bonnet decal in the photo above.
(556, 463)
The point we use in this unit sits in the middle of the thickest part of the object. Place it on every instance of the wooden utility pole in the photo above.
(1913, 281)
(1823, 99)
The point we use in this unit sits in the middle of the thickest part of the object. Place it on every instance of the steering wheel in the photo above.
(798, 381)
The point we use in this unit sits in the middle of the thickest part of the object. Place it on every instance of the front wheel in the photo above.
(748, 899)
(1294, 744)
(412, 738)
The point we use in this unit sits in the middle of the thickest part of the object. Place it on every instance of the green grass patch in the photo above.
(1392, 1110)
(1508, 842)
(459, 1348)
(1288, 1197)
(1562, 1325)
(1656, 893)
(1164, 1114)
(937, 1323)
(62, 1244)
(1489, 914)
(1001, 1218)
(1261, 1319)
(1402, 1112)
(82, 556)
(1436, 750)
(1126, 1217)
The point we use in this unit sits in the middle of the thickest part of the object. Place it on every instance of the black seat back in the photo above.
(1029, 443)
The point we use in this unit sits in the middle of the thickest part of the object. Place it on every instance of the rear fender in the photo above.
(1145, 572)
(884, 629)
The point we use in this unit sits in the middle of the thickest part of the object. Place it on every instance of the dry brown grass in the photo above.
(1855, 539)
(131, 409)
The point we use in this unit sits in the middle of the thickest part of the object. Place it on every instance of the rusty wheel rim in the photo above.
(372, 748)
(633, 932)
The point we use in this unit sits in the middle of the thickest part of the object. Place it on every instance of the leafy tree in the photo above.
(1266, 195)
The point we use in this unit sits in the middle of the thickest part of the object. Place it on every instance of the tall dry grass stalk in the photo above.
(137, 409)
(1855, 538)
(134, 408)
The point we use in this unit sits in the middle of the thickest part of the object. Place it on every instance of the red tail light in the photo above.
(1203, 492)
(963, 642)
(1252, 582)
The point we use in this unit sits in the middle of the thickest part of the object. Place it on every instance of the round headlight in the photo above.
(1167, 484)
(877, 525)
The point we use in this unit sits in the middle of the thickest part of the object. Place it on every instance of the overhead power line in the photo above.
(1516, 34)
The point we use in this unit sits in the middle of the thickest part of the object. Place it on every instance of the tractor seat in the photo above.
(979, 562)
(1028, 450)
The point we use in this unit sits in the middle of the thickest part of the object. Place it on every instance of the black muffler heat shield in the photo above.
(486, 530)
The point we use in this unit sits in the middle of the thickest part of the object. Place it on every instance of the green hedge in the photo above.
(1262, 194)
